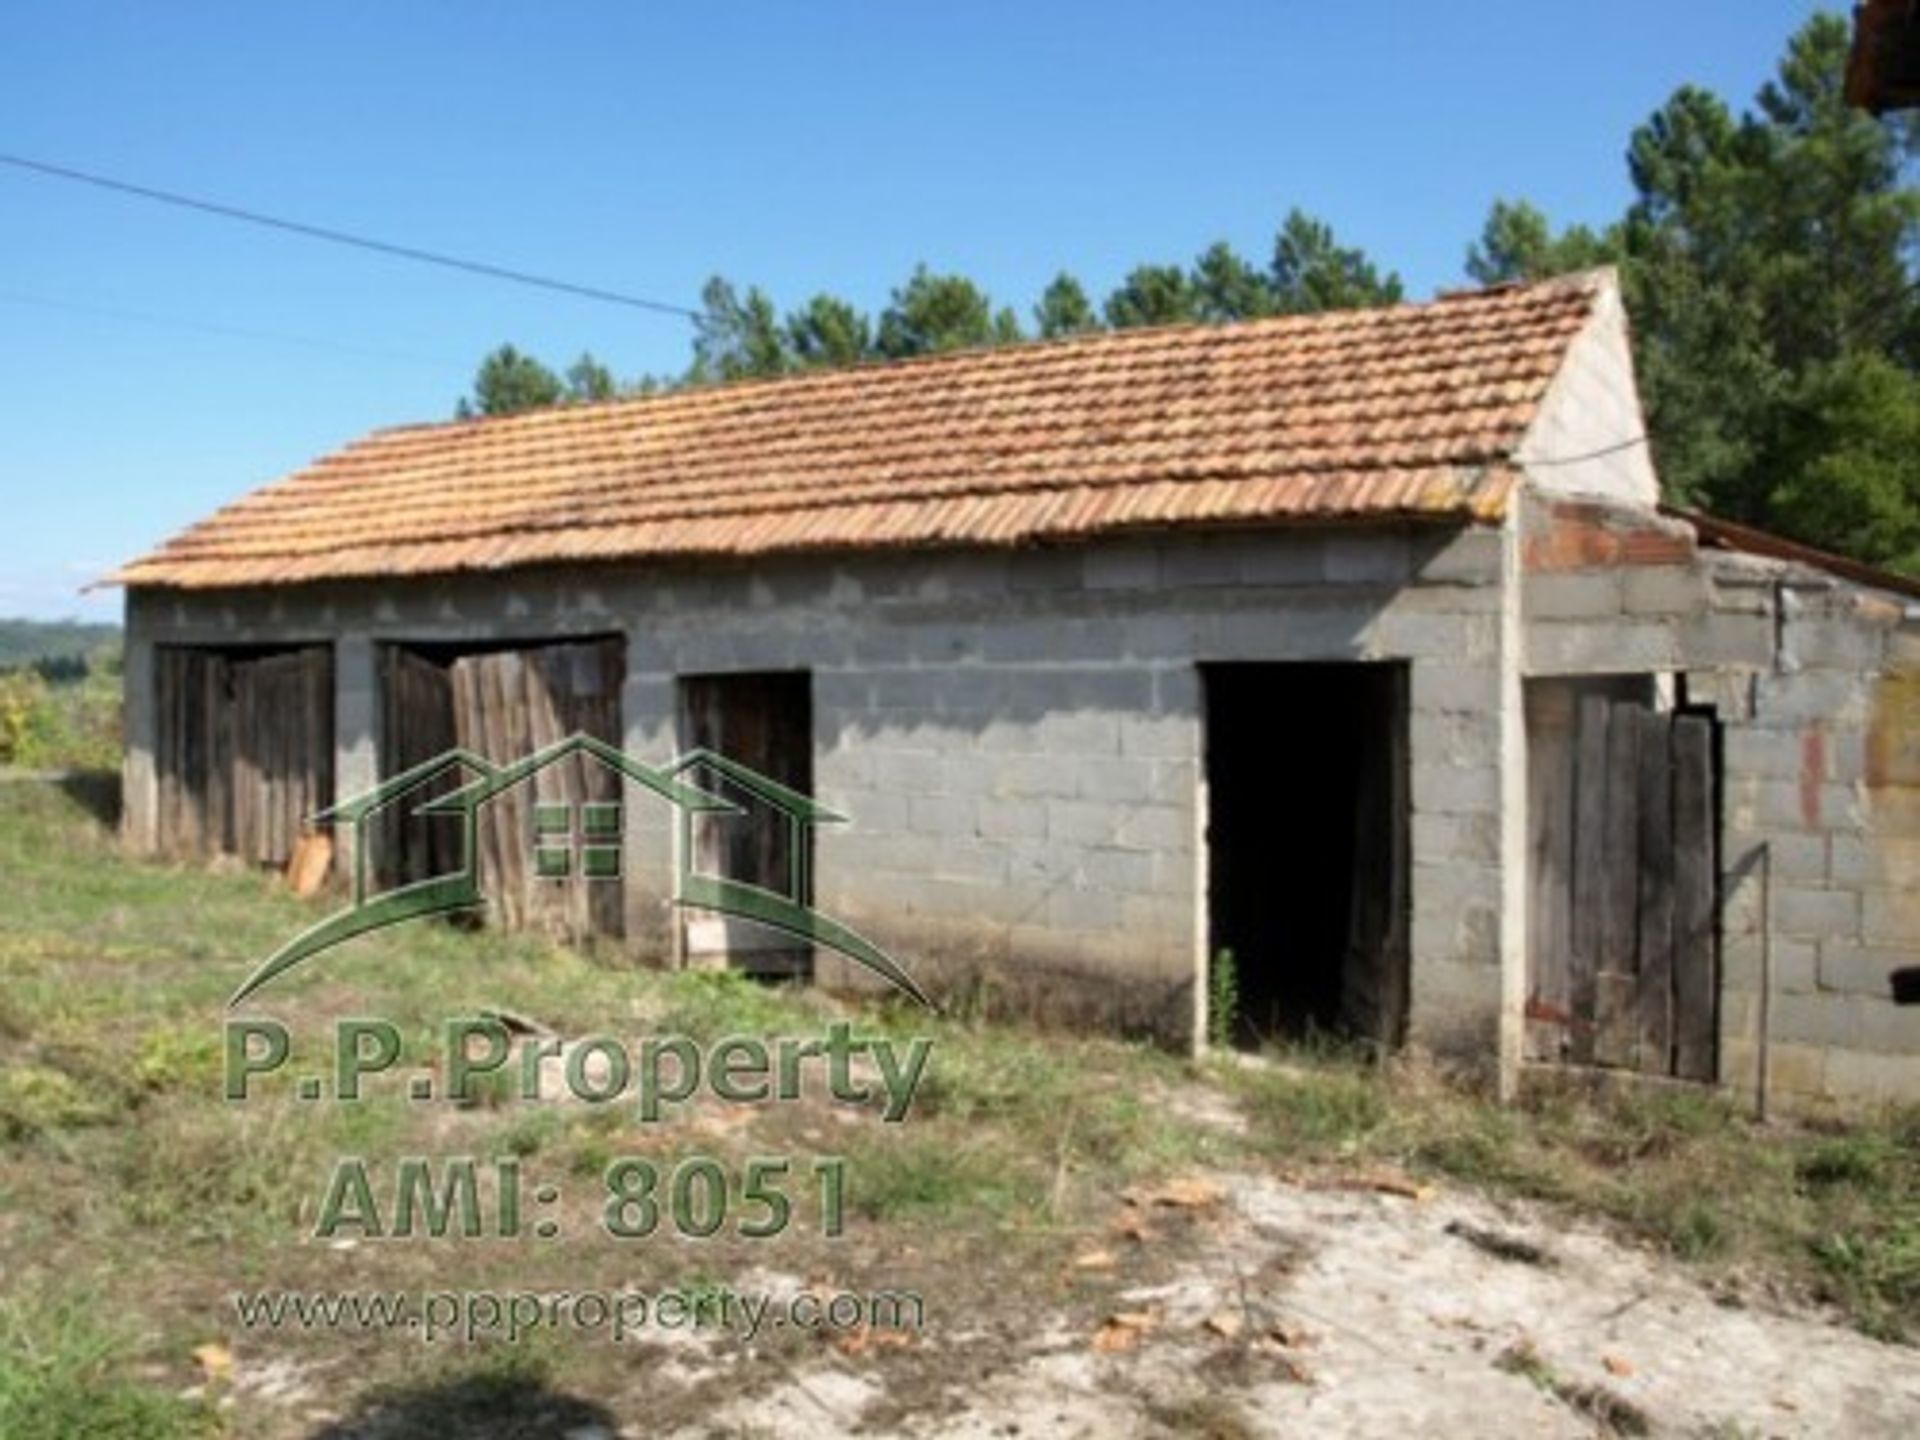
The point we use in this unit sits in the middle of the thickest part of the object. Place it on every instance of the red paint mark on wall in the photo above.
(1813, 769)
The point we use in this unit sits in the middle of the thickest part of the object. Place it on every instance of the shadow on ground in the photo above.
(485, 1407)
(96, 791)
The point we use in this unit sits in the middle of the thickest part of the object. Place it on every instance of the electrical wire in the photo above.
(206, 327)
(342, 237)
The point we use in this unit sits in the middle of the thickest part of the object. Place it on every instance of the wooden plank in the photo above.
(1589, 872)
(167, 677)
(1550, 710)
(1654, 997)
(1695, 943)
(549, 903)
(1616, 1027)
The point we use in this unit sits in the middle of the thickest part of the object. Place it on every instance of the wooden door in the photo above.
(765, 722)
(506, 705)
(244, 749)
(1623, 953)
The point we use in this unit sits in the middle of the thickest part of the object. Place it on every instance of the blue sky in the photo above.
(157, 363)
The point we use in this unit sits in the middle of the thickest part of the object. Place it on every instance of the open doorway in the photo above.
(763, 721)
(1307, 846)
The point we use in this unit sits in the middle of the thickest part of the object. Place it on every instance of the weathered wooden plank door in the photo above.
(416, 725)
(244, 750)
(1623, 953)
(506, 705)
(765, 722)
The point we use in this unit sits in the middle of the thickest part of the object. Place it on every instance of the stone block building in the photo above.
(1356, 645)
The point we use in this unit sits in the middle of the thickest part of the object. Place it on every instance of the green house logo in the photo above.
(580, 839)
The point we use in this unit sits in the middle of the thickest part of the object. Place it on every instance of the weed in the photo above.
(1223, 998)
(58, 1380)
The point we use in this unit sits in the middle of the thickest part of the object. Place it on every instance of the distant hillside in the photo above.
(22, 642)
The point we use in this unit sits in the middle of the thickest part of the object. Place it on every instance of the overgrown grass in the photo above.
(62, 1377)
(123, 1173)
(1838, 1212)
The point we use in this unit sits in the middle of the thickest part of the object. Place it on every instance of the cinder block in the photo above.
(996, 818)
(1454, 738)
(1903, 647)
(1083, 907)
(1881, 1027)
(1366, 557)
(1578, 595)
(1797, 1069)
(1835, 644)
(1119, 781)
(1891, 918)
(1786, 805)
(1122, 567)
(1157, 828)
(1730, 692)
(1047, 568)
(1799, 859)
(1816, 914)
(1796, 965)
(1567, 647)
(909, 772)
(1083, 822)
(1176, 782)
(1159, 737)
(1464, 557)
(1108, 868)
(1454, 638)
(948, 817)
(1834, 696)
(1664, 590)
(1082, 733)
(1439, 686)
(1764, 751)
(1456, 789)
(1193, 562)
(1278, 557)
(1744, 640)
(1449, 839)
(1873, 1079)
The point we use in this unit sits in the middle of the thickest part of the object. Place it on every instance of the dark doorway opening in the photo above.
(764, 721)
(1307, 846)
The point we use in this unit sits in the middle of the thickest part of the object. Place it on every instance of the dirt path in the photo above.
(1341, 1313)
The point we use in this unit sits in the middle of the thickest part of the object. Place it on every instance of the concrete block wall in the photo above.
(1016, 736)
(1816, 683)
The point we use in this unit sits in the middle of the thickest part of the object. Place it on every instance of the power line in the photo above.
(342, 237)
(1603, 451)
(205, 327)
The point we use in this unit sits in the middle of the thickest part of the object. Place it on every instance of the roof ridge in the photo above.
(1575, 282)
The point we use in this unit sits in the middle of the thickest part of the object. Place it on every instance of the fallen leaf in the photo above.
(1225, 1323)
(1381, 1182)
(1190, 1194)
(858, 1342)
(1290, 1366)
(214, 1359)
(1094, 1260)
(1287, 1333)
(1127, 1228)
(1122, 1331)
(1617, 1366)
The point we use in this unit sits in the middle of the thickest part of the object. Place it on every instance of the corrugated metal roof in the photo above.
(1411, 411)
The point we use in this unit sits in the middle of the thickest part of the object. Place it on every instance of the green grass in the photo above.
(60, 1380)
(129, 1187)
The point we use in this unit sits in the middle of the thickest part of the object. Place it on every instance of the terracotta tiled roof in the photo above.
(1413, 411)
